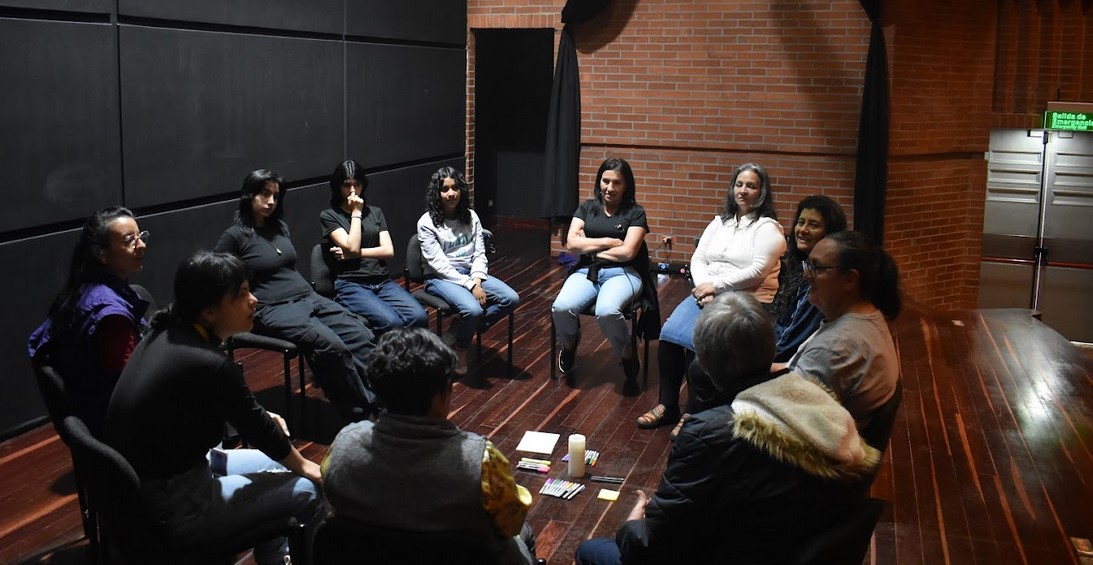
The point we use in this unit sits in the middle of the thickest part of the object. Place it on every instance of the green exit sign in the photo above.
(1069, 121)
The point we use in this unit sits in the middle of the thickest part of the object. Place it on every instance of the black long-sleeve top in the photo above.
(171, 401)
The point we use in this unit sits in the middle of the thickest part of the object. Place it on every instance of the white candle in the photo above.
(576, 456)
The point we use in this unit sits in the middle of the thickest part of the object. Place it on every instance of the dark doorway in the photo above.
(513, 73)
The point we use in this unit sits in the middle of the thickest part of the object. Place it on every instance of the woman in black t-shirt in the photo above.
(336, 342)
(609, 233)
(360, 246)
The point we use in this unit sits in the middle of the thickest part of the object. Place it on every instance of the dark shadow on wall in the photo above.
(592, 35)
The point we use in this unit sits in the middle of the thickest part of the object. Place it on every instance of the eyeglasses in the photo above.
(131, 240)
(812, 269)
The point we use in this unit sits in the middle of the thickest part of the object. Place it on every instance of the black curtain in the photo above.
(563, 136)
(871, 171)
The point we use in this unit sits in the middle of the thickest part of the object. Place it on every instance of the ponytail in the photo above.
(878, 279)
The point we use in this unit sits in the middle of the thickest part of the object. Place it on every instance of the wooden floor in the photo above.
(991, 460)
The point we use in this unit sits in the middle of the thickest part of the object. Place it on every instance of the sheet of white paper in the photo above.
(538, 442)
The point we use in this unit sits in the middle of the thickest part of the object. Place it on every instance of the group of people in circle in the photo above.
(829, 292)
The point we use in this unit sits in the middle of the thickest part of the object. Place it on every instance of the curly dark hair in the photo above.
(764, 207)
(408, 367)
(346, 170)
(254, 182)
(791, 276)
(432, 196)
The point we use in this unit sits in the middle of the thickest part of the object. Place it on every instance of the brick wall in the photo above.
(686, 90)
(941, 74)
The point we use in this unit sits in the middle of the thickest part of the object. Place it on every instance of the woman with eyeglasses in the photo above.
(739, 251)
(97, 319)
(855, 285)
(336, 342)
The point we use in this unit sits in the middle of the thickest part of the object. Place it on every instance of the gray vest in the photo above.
(409, 473)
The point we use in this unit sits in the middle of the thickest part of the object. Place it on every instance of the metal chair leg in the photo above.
(553, 350)
(511, 317)
(288, 388)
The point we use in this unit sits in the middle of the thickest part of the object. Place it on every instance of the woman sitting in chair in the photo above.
(360, 248)
(855, 285)
(456, 265)
(170, 407)
(609, 233)
(461, 484)
(739, 251)
(796, 318)
(754, 478)
(97, 320)
(335, 342)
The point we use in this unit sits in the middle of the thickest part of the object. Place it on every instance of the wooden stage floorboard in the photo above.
(991, 459)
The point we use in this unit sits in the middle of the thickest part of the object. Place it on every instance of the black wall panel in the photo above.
(324, 16)
(404, 103)
(189, 112)
(201, 109)
(99, 6)
(175, 236)
(59, 145)
(37, 268)
(439, 21)
(302, 208)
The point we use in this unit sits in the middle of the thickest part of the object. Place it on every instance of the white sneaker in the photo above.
(460, 362)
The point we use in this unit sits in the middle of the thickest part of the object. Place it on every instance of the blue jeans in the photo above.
(385, 305)
(599, 551)
(614, 290)
(679, 328)
(500, 300)
(198, 503)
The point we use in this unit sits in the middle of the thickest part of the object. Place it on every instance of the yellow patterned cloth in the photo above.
(503, 499)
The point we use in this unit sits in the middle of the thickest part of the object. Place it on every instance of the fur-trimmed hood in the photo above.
(798, 421)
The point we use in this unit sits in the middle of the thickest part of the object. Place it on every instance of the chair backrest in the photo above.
(322, 279)
(487, 242)
(342, 541)
(143, 293)
(879, 429)
(415, 270)
(846, 541)
(55, 394)
(114, 490)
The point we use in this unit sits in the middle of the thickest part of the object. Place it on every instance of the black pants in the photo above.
(335, 342)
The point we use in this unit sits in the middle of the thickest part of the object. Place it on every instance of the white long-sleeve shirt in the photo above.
(740, 256)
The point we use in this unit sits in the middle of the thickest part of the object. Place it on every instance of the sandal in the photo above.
(679, 426)
(657, 417)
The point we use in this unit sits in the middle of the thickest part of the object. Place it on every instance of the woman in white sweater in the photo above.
(451, 243)
(739, 251)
